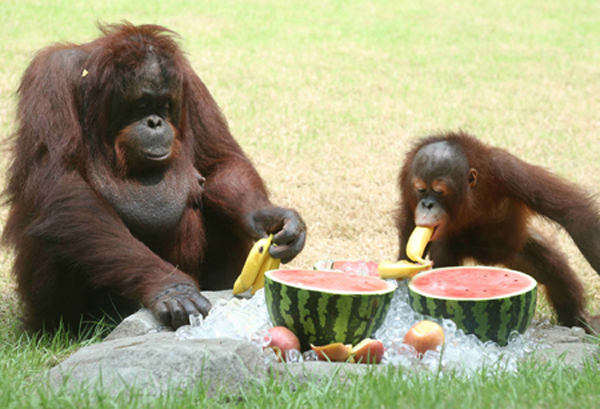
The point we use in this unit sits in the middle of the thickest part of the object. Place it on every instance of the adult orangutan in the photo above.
(126, 186)
(479, 200)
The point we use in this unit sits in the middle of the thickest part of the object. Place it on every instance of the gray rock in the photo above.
(159, 362)
(318, 372)
(141, 323)
(137, 354)
(569, 345)
(144, 321)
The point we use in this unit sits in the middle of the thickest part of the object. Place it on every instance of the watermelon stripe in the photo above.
(308, 324)
(522, 308)
(416, 301)
(482, 316)
(357, 318)
(530, 300)
(330, 307)
(340, 326)
(505, 311)
(285, 305)
(351, 316)
(430, 304)
(289, 299)
(379, 318)
(456, 311)
(322, 308)
(514, 317)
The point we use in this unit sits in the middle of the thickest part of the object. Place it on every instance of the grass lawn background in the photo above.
(327, 96)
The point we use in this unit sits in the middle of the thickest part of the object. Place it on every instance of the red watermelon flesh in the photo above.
(330, 281)
(471, 283)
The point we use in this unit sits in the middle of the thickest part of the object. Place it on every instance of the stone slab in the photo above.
(143, 354)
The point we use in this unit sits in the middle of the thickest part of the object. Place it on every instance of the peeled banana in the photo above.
(401, 269)
(417, 242)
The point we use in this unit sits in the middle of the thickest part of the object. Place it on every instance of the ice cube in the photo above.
(293, 356)
(431, 360)
(269, 356)
(449, 327)
(196, 319)
(310, 355)
(261, 338)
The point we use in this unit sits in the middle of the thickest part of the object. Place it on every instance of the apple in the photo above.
(425, 335)
(336, 352)
(368, 351)
(282, 340)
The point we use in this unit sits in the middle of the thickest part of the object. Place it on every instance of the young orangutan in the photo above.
(479, 200)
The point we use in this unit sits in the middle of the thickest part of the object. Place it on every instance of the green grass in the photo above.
(535, 387)
(547, 385)
(325, 97)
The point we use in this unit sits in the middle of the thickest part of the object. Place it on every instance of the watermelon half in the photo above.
(323, 307)
(489, 302)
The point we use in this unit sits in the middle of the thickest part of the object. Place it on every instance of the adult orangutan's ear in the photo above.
(472, 177)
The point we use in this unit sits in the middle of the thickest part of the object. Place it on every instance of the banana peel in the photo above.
(257, 263)
(417, 242)
(401, 269)
(269, 264)
(259, 254)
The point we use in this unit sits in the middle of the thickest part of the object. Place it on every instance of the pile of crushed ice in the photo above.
(249, 319)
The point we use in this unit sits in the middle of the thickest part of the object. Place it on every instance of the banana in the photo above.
(252, 267)
(269, 264)
(414, 250)
(417, 242)
(401, 269)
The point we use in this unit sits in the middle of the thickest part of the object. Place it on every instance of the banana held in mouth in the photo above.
(417, 242)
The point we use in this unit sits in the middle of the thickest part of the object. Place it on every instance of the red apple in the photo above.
(368, 351)
(282, 339)
(425, 335)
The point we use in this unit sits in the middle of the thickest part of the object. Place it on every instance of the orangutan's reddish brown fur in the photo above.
(480, 198)
(126, 186)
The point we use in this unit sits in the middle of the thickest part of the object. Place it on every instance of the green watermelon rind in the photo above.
(489, 319)
(320, 317)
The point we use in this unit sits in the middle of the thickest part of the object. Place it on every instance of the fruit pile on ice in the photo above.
(248, 318)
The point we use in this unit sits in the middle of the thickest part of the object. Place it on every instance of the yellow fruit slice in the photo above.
(401, 269)
(336, 352)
